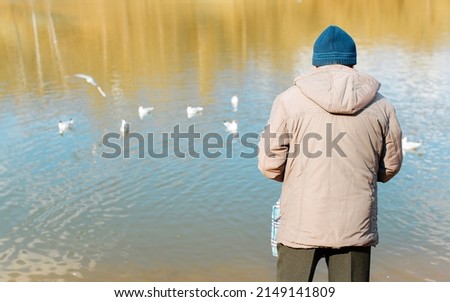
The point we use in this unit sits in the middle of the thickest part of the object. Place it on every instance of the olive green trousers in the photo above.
(348, 264)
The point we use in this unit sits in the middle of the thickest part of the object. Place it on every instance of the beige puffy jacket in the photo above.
(329, 139)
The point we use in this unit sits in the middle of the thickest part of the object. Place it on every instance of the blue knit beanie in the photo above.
(334, 46)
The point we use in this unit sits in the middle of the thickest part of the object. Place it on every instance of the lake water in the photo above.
(68, 214)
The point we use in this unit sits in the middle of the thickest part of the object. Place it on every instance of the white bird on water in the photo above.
(124, 128)
(89, 80)
(232, 126)
(143, 111)
(191, 111)
(64, 126)
(235, 102)
(409, 146)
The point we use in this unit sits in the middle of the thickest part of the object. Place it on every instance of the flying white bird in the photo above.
(124, 128)
(235, 102)
(191, 111)
(64, 126)
(86, 77)
(143, 111)
(409, 146)
(89, 80)
(232, 126)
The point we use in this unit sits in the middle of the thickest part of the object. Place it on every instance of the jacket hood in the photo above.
(338, 89)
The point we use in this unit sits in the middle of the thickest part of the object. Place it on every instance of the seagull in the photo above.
(124, 128)
(86, 77)
(63, 126)
(232, 126)
(409, 146)
(235, 102)
(191, 111)
(143, 111)
(89, 80)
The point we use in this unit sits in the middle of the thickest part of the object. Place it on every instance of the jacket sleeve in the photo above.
(392, 155)
(274, 144)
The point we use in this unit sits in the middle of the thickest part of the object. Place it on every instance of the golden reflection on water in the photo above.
(41, 41)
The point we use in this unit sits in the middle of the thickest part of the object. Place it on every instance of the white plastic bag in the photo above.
(275, 223)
